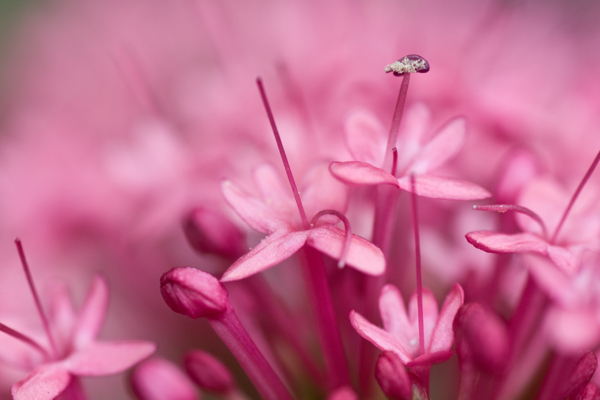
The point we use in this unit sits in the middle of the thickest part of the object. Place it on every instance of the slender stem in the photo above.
(502, 208)
(286, 164)
(38, 303)
(393, 136)
(418, 265)
(233, 334)
(323, 311)
(394, 161)
(26, 339)
(342, 217)
(575, 195)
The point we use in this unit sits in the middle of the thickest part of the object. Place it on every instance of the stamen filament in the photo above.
(418, 265)
(26, 339)
(393, 136)
(38, 303)
(342, 217)
(394, 161)
(575, 195)
(502, 208)
(286, 164)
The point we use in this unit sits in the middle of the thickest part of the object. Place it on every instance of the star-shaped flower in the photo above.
(400, 333)
(75, 351)
(275, 214)
(417, 154)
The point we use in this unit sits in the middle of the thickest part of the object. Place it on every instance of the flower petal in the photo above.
(362, 254)
(441, 148)
(360, 173)
(92, 313)
(428, 359)
(443, 335)
(563, 259)
(106, 358)
(252, 210)
(44, 383)
(500, 243)
(443, 188)
(380, 338)
(393, 314)
(365, 137)
(430, 315)
(160, 379)
(272, 250)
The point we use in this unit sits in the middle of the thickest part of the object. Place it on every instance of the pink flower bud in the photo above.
(343, 393)
(159, 379)
(208, 372)
(392, 376)
(193, 293)
(211, 232)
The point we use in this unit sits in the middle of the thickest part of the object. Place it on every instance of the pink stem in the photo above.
(575, 195)
(233, 334)
(343, 256)
(26, 339)
(38, 304)
(418, 262)
(286, 164)
(323, 311)
(502, 208)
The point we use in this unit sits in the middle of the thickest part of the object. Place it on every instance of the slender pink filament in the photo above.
(575, 195)
(394, 161)
(23, 338)
(38, 304)
(513, 207)
(418, 265)
(286, 164)
(393, 136)
(342, 217)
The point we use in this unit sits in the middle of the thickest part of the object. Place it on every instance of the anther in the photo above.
(408, 65)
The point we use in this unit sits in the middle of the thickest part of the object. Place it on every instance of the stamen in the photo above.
(286, 164)
(502, 208)
(575, 195)
(394, 161)
(403, 67)
(24, 338)
(418, 265)
(342, 217)
(38, 304)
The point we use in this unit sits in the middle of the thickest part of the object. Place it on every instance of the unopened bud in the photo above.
(208, 372)
(211, 232)
(343, 393)
(159, 379)
(193, 293)
(392, 376)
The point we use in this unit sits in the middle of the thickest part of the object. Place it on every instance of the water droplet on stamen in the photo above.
(408, 65)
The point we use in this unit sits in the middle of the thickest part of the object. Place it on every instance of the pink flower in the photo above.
(75, 352)
(418, 154)
(275, 213)
(400, 333)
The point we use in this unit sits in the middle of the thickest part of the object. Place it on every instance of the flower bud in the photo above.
(159, 379)
(343, 393)
(193, 293)
(208, 372)
(211, 232)
(392, 376)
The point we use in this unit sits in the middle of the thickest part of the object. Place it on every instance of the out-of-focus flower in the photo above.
(160, 379)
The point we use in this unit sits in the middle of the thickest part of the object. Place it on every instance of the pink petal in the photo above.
(252, 210)
(428, 359)
(444, 188)
(343, 393)
(571, 330)
(321, 191)
(443, 335)
(362, 254)
(441, 148)
(415, 124)
(394, 315)
(360, 173)
(107, 358)
(366, 137)
(159, 379)
(271, 186)
(92, 313)
(272, 250)
(500, 243)
(380, 338)
(61, 314)
(44, 383)
(564, 259)
(430, 315)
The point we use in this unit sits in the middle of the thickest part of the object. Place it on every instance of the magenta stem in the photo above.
(418, 265)
(286, 164)
(38, 304)
(348, 229)
(502, 208)
(575, 195)
(336, 366)
(393, 136)
(26, 339)
(233, 334)
(394, 161)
